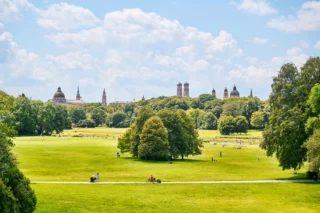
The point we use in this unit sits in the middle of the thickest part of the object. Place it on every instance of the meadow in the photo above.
(77, 158)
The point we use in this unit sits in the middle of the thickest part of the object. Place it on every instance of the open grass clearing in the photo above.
(267, 198)
(76, 159)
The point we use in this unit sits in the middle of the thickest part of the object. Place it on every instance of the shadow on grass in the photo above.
(295, 177)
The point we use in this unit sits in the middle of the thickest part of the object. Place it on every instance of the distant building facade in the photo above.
(59, 98)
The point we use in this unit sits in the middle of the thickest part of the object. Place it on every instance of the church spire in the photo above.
(143, 98)
(104, 97)
(251, 93)
(78, 97)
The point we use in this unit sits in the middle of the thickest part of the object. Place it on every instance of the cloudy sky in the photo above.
(142, 47)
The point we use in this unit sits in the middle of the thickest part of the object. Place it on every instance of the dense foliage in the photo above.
(149, 134)
(290, 125)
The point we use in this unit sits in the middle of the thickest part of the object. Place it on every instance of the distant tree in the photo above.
(233, 108)
(99, 116)
(209, 121)
(124, 142)
(196, 116)
(258, 119)
(203, 98)
(241, 124)
(196, 104)
(77, 114)
(16, 196)
(24, 115)
(116, 119)
(88, 123)
(154, 140)
(226, 125)
(177, 103)
(47, 114)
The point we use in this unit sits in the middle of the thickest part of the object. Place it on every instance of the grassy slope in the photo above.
(76, 159)
(285, 197)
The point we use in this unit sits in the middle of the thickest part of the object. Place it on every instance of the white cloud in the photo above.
(258, 7)
(294, 51)
(306, 19)
(304, 44)
(317, 46)
(257, 40)
(66, 17)
(1, 25)
(10, 9)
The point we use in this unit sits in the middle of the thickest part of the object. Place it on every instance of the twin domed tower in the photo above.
(185, 90)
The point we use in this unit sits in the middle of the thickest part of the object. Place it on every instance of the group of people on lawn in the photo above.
(95, 178)
(153, 180)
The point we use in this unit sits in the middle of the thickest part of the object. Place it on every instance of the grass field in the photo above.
(269, 198)
(77, 158)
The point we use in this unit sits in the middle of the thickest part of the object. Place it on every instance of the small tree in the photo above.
(226, 125)
(209, 121)
(258, 119)
(99, 116)
(241, 124)
(154, 140)
(77, 114)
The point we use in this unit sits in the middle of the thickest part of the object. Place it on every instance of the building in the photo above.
(179, 89)
(59, 98)
(104, 97)
(186, 90)
(234, 93)
(213, 92)
(225, 93)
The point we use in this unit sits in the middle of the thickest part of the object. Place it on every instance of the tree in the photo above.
(203, 98)
(313, 153)
(116, 119)
(241, 124)
(177, 103)
(77, 114)
(99, 116)
(285, 133)
(46, 116)
(88, 123)
(226, 125)
(154, 140)
(233, 108)
(143, 115)
(61, 119)
(190, 136)
(173, 123)
(124, 142)
(314, 99)
(16, 196)
(196, 116)
(209, 121)
(25, 119)
(258, 119)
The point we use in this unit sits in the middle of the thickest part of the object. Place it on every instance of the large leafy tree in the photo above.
(241, 124)
(196, 116)
(285, 134)
(153, 140)
(173, 123)
(16, 196)
(313, 153)
(191, 136)
(258, 119)
(47, 114)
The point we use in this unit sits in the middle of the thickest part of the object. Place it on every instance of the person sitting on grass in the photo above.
(98, 177)
(92, 179)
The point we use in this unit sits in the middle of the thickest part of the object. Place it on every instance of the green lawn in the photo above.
(76, 159)
(275, 197)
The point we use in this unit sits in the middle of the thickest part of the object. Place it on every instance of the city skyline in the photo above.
(143, 48)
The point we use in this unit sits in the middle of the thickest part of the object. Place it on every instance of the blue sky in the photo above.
(135, 48)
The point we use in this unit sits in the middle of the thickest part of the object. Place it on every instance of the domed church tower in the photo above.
(59, 97)
(225, 93)
(179, 89)
(213, 92)
(234, 93)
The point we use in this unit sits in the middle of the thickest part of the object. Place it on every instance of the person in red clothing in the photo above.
(151, 179)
